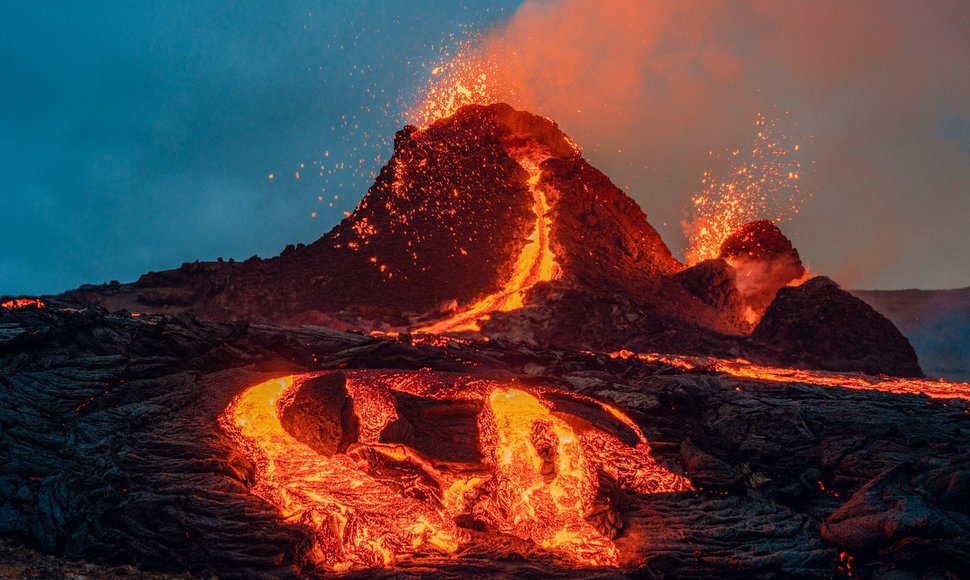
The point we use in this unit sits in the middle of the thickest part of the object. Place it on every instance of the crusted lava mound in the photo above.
(754, 262)
(443, 223)
(831, 329)
(764, 261)
(490, 221)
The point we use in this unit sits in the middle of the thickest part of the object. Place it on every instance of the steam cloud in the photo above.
(879, 90)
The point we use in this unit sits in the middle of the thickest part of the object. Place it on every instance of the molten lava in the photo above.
(536, 262)
(23, 303)
(358, 521)
(539, 480)
(532, 500)
(937, 389)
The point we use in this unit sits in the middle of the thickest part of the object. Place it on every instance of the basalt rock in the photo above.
(819, 325)
(714, 283)
(112, 451)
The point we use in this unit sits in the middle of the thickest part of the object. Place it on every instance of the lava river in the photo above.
(937, 389)
(535, 263)
(535, 474)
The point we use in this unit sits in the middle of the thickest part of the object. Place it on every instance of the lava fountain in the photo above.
(762, 183)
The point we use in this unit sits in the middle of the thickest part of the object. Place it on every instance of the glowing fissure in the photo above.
(535, 263)
(938, 389)
(539, 480)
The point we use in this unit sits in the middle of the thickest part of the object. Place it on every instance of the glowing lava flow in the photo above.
(23, 303)
(938, 389)
(539, 481)
(534, 264)
(358, 521)
(520, 436)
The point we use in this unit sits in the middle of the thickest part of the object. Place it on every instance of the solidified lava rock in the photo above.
(764, 261)
(111, 451)
(819, 325)
(321, 416)
(713, 281)
(760, 239)
(672, 321)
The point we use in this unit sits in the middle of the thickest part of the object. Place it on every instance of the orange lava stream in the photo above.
(358, 521)
(539, 481)
(937, 389)
(535, 263)
(23, 303)
(526, 503)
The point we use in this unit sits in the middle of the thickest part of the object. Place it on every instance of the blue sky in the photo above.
(137, 136)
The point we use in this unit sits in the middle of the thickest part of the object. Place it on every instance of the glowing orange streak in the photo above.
(938, 389)
(23, 303)
(536, 263)
(551, 513)
(358, 521)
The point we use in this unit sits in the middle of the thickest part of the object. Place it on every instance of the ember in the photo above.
(467, 77)
(761, 184)
(539, 480)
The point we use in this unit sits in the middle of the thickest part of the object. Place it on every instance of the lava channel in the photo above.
(536, 262)
(937, 389)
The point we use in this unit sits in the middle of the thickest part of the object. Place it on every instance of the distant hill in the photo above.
(936, 322)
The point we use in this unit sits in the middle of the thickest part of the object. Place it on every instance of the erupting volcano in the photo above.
(426, 388)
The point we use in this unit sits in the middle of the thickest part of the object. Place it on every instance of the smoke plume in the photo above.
(879, 92)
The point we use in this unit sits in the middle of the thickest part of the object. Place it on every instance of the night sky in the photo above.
(140, 137)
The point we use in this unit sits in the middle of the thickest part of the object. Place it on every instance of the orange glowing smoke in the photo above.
(762, 184)
(23, 303)
(540, 481)
(938, 389)
(536, 263)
